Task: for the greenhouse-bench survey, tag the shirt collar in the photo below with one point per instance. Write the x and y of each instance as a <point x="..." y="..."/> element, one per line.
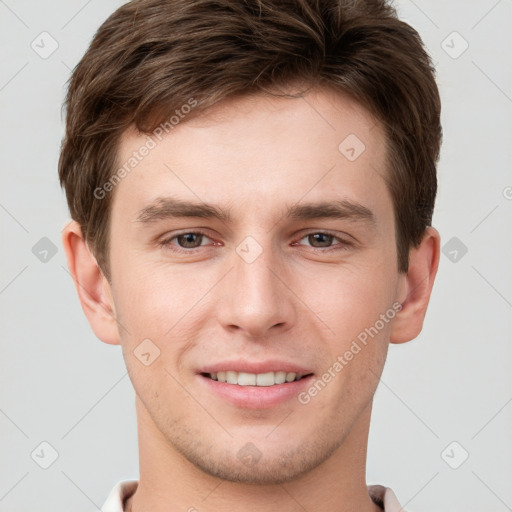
<point x="382" y="496"/>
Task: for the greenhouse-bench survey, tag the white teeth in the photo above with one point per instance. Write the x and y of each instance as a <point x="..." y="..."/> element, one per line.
<point x="246" y="379"/>
<point x="290" y="376"/>
<point x="265" y="379"/>
<point x="231" y="377"/>
<point x="280" y="377"/>
<point x="253" y="379"/>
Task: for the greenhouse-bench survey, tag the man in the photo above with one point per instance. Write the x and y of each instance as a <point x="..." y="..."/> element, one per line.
<point x="252" y="186"/>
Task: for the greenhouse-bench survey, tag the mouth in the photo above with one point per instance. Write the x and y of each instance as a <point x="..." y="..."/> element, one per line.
<point x="254" y="384"/>
<point x="267" y="379"/>
<point x="259" y="389"/>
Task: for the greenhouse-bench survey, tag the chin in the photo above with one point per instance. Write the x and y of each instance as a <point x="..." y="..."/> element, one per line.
<point x="268" y="464"/>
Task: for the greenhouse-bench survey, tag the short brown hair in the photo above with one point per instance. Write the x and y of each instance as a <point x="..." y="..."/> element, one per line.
<point x="152" y="56"/>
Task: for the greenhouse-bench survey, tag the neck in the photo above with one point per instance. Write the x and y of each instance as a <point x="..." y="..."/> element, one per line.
<point x="169" y="482"/>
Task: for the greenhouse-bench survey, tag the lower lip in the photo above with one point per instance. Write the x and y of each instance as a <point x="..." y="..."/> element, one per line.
<point x="256" y="397"/>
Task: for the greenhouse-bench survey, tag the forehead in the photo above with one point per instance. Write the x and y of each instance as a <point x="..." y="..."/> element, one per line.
<point x="255" y="153"/>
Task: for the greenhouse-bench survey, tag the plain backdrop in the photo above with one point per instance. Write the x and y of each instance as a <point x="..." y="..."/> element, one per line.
<point x="440" y="435"/>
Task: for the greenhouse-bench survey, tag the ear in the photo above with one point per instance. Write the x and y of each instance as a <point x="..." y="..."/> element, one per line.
<point x="91" y="285"/>
<point x="416" y="287"/>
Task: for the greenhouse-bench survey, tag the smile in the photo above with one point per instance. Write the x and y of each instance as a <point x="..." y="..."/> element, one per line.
<point x="255" y="379"/>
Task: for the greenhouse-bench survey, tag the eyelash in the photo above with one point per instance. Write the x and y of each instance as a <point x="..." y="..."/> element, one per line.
<point x="166" y="243"/>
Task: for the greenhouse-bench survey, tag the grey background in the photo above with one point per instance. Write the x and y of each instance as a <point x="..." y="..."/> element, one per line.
<point x="60" y="385"/>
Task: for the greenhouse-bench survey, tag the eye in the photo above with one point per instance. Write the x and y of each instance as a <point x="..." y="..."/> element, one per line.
<point x="190" y="240"/>
<point x="321" y="240"/>
<point x="183" y="241"/>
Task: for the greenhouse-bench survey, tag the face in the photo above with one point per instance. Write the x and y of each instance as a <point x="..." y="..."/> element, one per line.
<point x="256" y="244"/>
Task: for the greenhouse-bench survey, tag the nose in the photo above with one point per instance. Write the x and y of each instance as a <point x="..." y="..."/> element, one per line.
<point x="255" y="298"/>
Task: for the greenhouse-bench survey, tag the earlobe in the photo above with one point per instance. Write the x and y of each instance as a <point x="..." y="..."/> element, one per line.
<point x="91" y="285"/>
<point x="416" y="288"/>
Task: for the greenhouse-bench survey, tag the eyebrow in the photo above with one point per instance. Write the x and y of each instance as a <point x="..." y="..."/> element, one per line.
<point x="168" y="207"/>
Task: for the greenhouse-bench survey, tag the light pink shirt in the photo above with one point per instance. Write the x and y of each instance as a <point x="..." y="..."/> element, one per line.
<point x="381" y="495"/>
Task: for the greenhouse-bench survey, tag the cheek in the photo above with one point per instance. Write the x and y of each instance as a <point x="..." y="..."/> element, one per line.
<point x="160" y="312"/>
<point x="350" y="298"/>
<point x="363" y="323"/>
<point x="152" y="299"/>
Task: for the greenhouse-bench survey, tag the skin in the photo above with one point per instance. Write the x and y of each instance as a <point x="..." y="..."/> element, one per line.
<point x="296" y="302"/>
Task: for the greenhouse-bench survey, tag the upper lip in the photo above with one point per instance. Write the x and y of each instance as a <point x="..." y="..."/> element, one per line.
<point x="255" y="367"/>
